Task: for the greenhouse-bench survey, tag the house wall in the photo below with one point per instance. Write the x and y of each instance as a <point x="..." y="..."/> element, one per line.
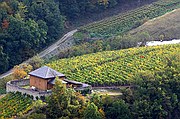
<point x="38" y="83"/>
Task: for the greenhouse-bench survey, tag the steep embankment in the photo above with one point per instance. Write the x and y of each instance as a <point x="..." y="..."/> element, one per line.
<point x="118" y="67"/>
<point x="166" y="26"/>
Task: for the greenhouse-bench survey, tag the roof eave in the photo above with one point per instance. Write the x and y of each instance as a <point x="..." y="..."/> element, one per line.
<point x="45" y="77"/>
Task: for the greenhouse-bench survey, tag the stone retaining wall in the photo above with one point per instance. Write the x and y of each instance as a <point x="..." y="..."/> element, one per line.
<point x="15" y="86"/>
<point x="22" y="82"/>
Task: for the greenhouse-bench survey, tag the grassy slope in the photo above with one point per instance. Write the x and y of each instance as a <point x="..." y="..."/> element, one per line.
<point x="117" y="67"/>
<point x="167" y="25"/>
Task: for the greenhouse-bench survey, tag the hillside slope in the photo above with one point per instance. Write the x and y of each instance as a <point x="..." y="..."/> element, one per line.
<point x="122" y="23"/>
<point x="118" y="67"/>
<point x="167" y="26"/>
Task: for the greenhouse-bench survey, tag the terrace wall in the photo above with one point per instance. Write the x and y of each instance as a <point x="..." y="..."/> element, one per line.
<point x="15" y="86"/>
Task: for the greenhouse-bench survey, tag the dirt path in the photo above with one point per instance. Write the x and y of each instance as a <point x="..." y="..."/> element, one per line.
<point x="110" y="87"/>
<point x="109" y="90"/>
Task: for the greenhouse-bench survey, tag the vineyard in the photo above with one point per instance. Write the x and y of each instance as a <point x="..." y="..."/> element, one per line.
<point x="116" y="67"/>
<point x="124" y="22"/>
<point x="14" y="104"/>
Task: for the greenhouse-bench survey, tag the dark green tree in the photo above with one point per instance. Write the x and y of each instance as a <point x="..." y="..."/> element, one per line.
<point x="3" y="61"/>
<point x="119" y="110"/>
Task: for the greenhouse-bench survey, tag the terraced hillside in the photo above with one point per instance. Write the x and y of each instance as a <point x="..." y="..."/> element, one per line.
<point x="124" y="22"/>
<point x="117" y="67"/>
<point x="164" y="27"/>
<point x="13" y="105"/>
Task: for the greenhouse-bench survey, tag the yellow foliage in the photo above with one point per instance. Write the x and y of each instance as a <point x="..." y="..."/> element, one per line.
<point x="19" y="73"/>
<point x="26" y="67"/>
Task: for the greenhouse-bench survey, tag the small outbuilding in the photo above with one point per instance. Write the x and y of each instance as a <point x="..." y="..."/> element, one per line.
<point x="44" y="78"/>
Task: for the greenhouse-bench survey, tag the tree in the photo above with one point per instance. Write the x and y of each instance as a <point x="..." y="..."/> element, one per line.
<point x="22" y="38"/>
<point x="119" y="110"/>
<point x="49" y="12"/>
<point x="4" y="62"/>
<point x="97" y="100"/>
<point x="36" y="62"/>
<point x="70" y="8"/>
<point x="161" y="37"/>
<point x="64" y="102"/>
<point x="92" y="112"/>
<point x="57" y="101"/>
<point x="157" y="94"/>
<point x="22" y="10"/>
<point x="19" y="73"/>
<point x="26" y="67"/>
<point x="144" y="37"/>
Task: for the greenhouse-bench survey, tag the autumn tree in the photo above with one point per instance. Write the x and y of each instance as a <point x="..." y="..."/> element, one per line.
<point x="26" y="67"/>
<point x="21" y="71"/>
